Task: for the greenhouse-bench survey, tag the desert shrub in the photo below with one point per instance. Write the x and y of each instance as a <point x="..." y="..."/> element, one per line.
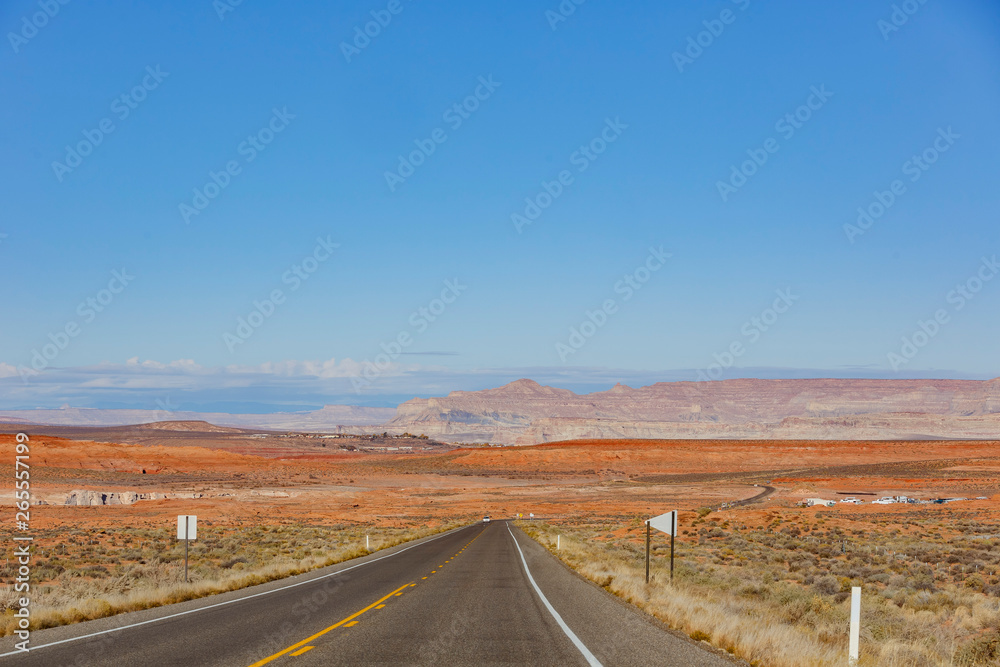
<point x="827" y="585"/>
<point x="984" y="650"/>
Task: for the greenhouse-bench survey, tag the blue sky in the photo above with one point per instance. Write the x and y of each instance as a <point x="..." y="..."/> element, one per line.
<point x="554" y="86"/>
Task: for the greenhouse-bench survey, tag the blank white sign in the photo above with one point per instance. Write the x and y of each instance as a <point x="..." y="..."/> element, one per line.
<point x="665" y="522"/>
<point x="187" y="527"/>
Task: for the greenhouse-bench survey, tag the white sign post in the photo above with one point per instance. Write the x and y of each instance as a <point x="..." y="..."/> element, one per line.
<point x="666" y="523"/>
<point x="852" y="649"/>
<point x="187" y="530"/>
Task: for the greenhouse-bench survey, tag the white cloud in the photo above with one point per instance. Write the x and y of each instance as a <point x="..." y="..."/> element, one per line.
<point x="180" y="364"/>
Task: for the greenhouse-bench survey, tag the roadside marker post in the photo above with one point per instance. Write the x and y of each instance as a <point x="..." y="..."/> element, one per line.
<point x="852" y="650"/>
<point x="187" y="530"/>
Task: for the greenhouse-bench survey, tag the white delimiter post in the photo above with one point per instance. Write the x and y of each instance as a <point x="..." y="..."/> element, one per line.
<point x="558" y="542"/>
<point x="852" y="650"/>
<point x="368" y="546"/>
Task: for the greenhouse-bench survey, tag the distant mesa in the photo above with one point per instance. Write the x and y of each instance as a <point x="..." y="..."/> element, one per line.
<point x="327" y="418"/>
<point x="199" y="426"/>
<point x="525" y="412"/>
<point x="14" y="420"/>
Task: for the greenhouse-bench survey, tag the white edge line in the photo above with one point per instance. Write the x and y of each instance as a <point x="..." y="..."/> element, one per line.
<point x="588" y="656"/>
<point x="239" y="599"/>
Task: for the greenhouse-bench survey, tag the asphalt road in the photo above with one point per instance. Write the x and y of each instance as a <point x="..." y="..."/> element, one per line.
<point x="480" y="595"/>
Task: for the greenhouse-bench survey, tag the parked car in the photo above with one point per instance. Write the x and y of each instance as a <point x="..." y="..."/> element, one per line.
<point x="885" y="500"/>
<point x="852" y="500"/>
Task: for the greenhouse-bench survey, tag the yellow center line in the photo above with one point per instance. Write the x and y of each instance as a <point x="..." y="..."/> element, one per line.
<point x="303" y="650"/>
<point x="332" y="627"/>
<point x="352" y="623"/>
<point x="456" y="555"/>
<point x="381" y="606"/>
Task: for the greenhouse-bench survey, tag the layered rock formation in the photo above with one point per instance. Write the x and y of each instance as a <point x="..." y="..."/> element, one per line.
<point x="90" y="498"/>
<point x="524" y="412"/>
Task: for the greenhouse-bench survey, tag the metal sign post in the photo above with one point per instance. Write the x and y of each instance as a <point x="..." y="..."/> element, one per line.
<point x="187" y="530"/>
<point x="672" y="533"/>
<point x="666" y="523"/>
<point x="647" y="552"/>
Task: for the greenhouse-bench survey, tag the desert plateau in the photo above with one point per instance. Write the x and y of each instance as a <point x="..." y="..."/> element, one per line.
<point x="103" y="513"/>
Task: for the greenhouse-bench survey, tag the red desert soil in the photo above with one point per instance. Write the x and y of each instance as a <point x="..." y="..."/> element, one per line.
<point x="694" y="456"/>
<point x="575" y="478"/>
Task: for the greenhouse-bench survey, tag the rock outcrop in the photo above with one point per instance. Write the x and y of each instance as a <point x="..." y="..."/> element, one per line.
<point x="93" y="498"/>
<point x="101" y="498"/>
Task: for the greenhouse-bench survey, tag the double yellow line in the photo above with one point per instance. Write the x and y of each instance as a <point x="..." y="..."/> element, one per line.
<point x="347" y="621"/>
<point x="332" y="627"/>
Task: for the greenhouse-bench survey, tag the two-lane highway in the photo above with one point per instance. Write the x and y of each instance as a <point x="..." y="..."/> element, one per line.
<point x="481" y="595"/>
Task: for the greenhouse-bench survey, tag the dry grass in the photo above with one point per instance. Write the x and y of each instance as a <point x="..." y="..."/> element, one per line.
<point x="83" y="577"/>
<point x="780" y="601"/>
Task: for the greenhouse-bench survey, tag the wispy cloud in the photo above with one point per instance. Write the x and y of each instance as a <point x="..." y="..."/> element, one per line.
<point x="431" y="354"/>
